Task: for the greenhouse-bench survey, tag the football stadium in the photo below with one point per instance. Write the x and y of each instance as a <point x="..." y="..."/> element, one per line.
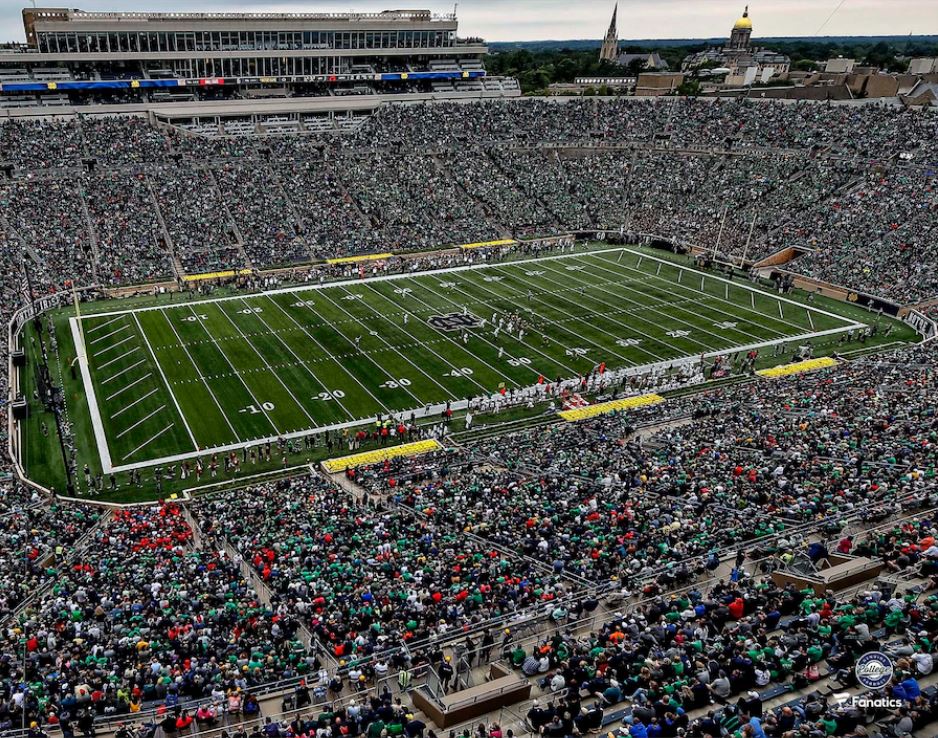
<point x="354" y="391"/>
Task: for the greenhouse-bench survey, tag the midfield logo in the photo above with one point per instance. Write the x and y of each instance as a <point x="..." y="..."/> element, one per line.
<point x="455" y="321"/>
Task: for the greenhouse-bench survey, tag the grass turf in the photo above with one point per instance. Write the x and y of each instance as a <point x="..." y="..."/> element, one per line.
<point x="175" y="380"/>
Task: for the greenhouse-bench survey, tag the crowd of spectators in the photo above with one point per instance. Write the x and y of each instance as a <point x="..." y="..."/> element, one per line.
<point x="726" y="468"/>
<point x="124" y="220"/>
<point x="142" y="616"/>
<point x="879" y="237"/>
<point x="197" y="218"/>
<point x="35" y="539"/>
<point x="109" y="616"/>
<point x="848" y="186"/>
<point x="705" y="662"/>
<point x="366" y="579"/>
<point x="879" y="132"/>
<point x="46" y="220"/>
<point x="144" y="613"/>
<point x="263" y="215"/>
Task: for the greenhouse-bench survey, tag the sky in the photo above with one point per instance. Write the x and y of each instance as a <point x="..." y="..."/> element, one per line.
<point x="527" y="20"/>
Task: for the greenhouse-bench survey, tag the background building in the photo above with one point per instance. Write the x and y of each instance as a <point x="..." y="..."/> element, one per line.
<point x="923" y="66"/>
<point x="72" y="57"/>
<point x="746" y="62"/>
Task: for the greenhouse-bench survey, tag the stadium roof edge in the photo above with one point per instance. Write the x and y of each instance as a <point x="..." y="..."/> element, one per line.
<point x="76" y="14"/>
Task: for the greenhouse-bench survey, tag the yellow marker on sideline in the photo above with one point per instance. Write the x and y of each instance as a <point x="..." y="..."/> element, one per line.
<point x="362" y="257"/>
<point x="215" y="275"/>
<point x="799" y="367"/>
<point x="602" y="408"/>
<point x="483" y="244"/>
<point x="380" y="454"/>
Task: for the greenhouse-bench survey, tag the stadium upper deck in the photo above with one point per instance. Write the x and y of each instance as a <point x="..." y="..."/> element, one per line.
<point x="77" y="57"/>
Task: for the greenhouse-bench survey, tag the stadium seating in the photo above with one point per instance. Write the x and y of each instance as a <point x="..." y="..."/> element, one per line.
<point x="411" y="177"/>
<point x="622" y="563"/>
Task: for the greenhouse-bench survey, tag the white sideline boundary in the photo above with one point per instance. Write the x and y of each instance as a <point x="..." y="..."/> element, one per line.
<point x="450" y="270"/>
<point x="436" y="408"/>
<point x="97" y="426"/>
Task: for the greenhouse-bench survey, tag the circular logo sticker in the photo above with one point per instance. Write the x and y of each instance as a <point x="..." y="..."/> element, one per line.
<point x="874" y="670"/>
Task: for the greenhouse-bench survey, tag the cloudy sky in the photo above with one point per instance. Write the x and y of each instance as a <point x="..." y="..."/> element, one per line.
<point x="520" y="20"/>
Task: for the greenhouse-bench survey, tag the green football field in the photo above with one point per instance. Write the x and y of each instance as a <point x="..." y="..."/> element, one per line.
<point x="175" y="381"/>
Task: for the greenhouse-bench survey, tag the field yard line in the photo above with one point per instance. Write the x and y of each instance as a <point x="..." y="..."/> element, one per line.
<point x="435" y="410"/>
<point x="99" y="326"/>
<point x="132" y="384"/>
<point x="135" y="402"/>
<point x="97" y="426"/>
<point x="687" y="324"/>
<point x="159" y="368"/>
<point x="379" y="278"/>
<point x="327" y="352"/>
<point x="702" y="296"/>
<point x="489" y="306"/>
<point x="605" y="316"/>
<point x="148" y="441"/>
<point x="403" y="329"/>
<point x="140" y="422"/>
<point x="302" y="362"/>
<point x="486" y="340"/>
<point x="123" y="371"/>
<point x="112" y="346"/>
<point x="631" y="328"/>
<point x="731" y="317"/>
<point x="257" y="403"/>
<point x="201" y="376"/>
<point x="106" y="364"/>
<point x="580" y="339"/>
<point x="365" y="354"/>
<point x="463" y="349"/>
<point x="269" y="367"/>
<point x="742" y="285"/>
<point x="108" y="335"/>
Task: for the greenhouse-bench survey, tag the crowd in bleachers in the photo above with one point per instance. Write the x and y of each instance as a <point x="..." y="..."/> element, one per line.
<point x="140" y="611"/>
<point x="850" y="186"/>
<point x="705" y="663"/>
<point x="150" y="612"/>
<point x="142" y="616"/>
<point x="124" y="219"/>
<point x="35" y="538"/>
<point x="879" y="132"/>
<point x="365" y="580"/>
<point x="879" y="238"/>
<point x="45" y="218"/>
<point x="262" y="214"/>
<point x="756" y="461"/>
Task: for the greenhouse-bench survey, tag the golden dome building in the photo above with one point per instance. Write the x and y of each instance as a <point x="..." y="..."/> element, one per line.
<point x="741" y="57"/>
<point x="741" y="36"/>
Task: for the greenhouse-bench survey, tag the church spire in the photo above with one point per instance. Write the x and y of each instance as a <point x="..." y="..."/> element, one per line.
<point x="610" y="47"/>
